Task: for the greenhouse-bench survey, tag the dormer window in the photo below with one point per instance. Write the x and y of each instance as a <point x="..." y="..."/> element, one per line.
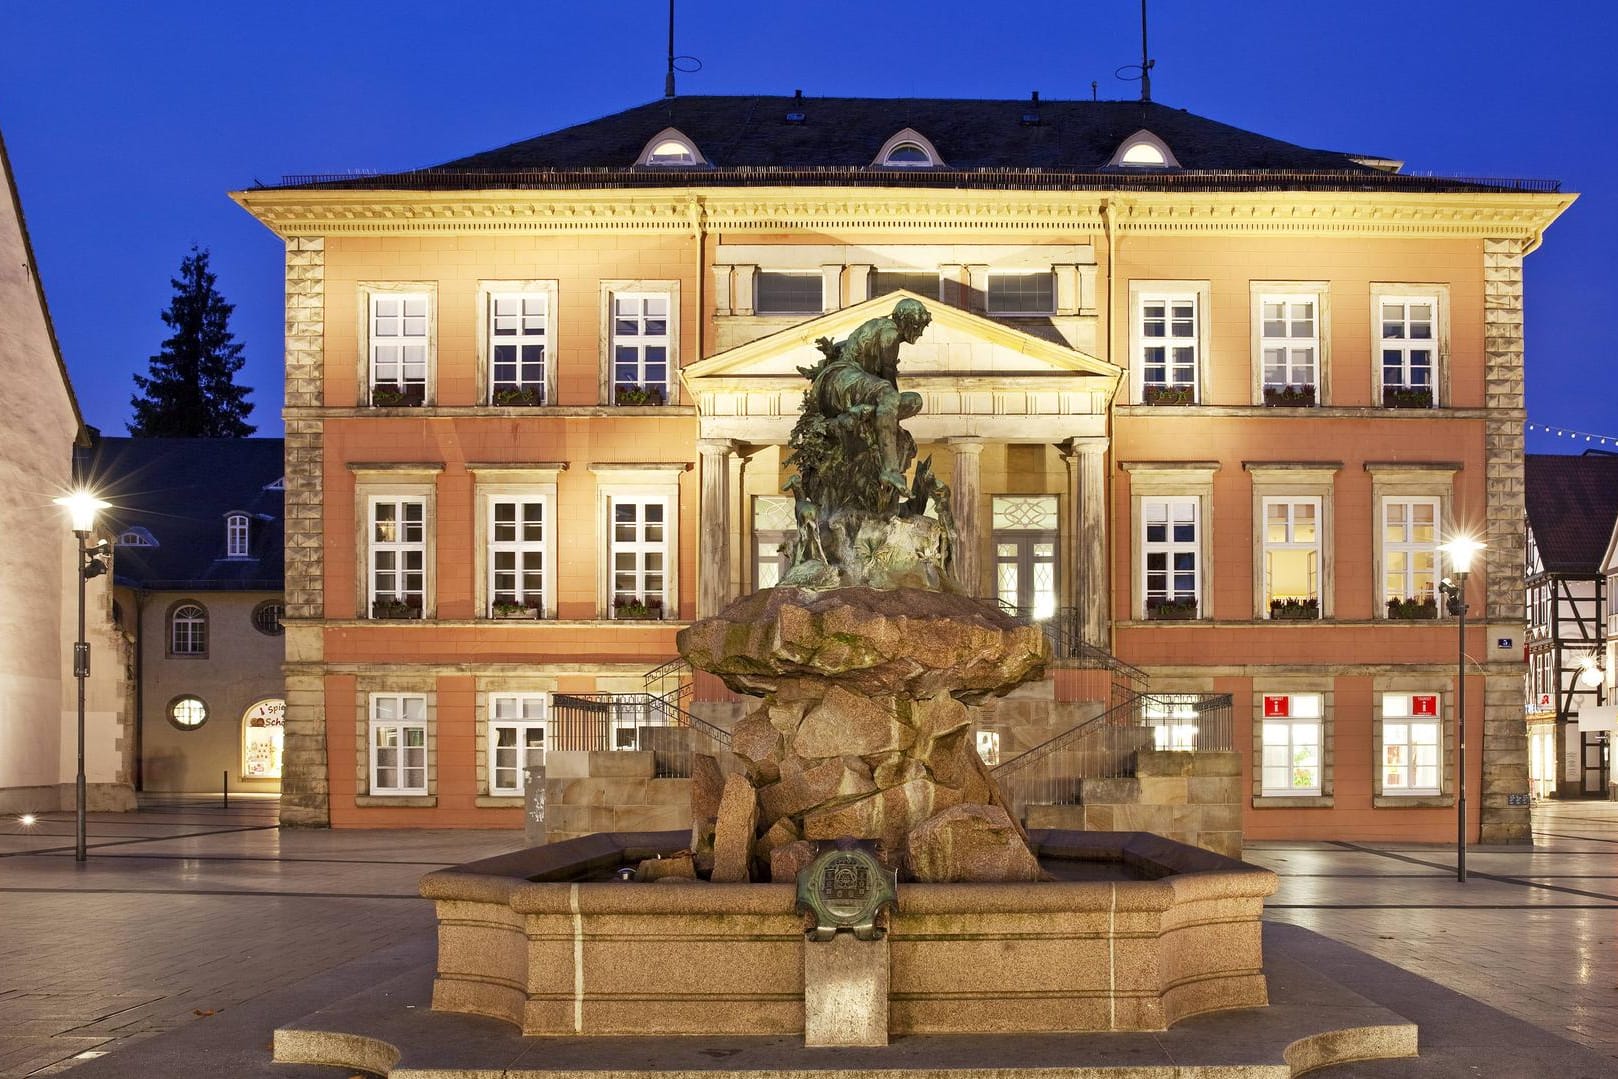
<point x="236" y="535"/>
<point x="909" y="149"/>
<point x="1143" y="150"/>
<point x="136" y="536"/>
<point x="279" y="485"/>
<point x="670" y="148"/>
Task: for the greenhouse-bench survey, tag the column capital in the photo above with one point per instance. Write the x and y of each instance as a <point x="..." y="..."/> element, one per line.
<point x="718" y="447"/>
<point x="964" y="443"/>
<point x="1084" y="445"/>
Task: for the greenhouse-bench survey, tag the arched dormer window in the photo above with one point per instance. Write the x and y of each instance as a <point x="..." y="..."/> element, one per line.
<point x="236" y="533"/>
<point x="670" y="148"/>
<point x="188" y="630"/>
<point x="1143" y="150"/>
<point x="909" y="149"/>
<point x="136" y="536"/>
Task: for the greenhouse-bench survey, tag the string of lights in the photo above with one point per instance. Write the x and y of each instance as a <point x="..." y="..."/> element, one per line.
<point x="1575" y="436"/>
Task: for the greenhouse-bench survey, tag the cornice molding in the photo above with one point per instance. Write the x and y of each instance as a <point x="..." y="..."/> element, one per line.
<point x="1457" y="215"/>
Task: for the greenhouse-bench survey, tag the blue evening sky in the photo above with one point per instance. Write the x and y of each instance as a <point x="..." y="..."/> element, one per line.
<point x="127" y="123"/>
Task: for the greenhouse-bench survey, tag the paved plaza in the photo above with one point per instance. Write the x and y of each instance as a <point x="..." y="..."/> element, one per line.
<point x="190" y="914"/>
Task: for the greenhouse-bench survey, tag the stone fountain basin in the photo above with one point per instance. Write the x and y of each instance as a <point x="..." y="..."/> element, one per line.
<point x="522" y="937"/>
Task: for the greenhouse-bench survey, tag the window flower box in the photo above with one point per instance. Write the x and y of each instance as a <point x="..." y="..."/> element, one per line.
<point x="639" y="395"/>
<point x="1294" y="610"/>
<point x="507" y="609"/>
<point x="1169" y="395"/>
<point x="389" y="607"/>
<point x="1171" y="610"/>
<point x="408" y="395"/>
<point x="518" y="396"/>
<point x="1412" y="609"/>
<point x="630" y="609"/>
<point x="1407" y="397"/>
<point x="1289" y="396"/>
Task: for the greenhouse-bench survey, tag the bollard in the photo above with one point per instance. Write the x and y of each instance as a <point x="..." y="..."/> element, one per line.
<point x="226" y="787"/>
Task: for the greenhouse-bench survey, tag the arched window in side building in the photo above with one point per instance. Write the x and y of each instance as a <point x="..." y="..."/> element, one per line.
<point x="188" y="630"/>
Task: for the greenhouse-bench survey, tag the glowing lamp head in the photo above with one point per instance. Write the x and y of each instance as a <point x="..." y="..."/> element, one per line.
<point x="1461" y="551"/>
<point x="27" y="820"/>
<point x="82" y="507"/>
<point x="1590" y="674"/>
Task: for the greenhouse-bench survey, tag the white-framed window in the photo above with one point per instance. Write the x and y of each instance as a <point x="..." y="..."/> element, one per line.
<point x="399" y="336"/>
<point x="236" y="535"/>
<point x="671" y="148"/>
<point x="1409" y="336"/>
<point x="518" y="544"/>
<point x="1412" y="741"/>
<point x="1168" y="346"/>
<point x="398" y="743"/>
<point x="137" y="536"/>
<point x="1292" y="749"/>
<point x="640" y="348"/>
<point x="639" y="549"/>
<point x="1026" y="530"/>
<point x="1021" y="293"/>
<point x="1143" y="150"/>
<point x="397" y="553"/>
<point x="908" y="149"/>
<point x="774" y="525"/>
<point x="1409" y="555"/>
<point x="1172" y="719"/>
<point x="924" y="283"/>
<point x="188" y="630"/>
<point x="516" y="738"/>
<point x="1292" y="530"/>
<point x="788" y="292"/>
<point x="518" y="343"/>
<point x="1171" y="562"/>
<point x="1289" y="348"/>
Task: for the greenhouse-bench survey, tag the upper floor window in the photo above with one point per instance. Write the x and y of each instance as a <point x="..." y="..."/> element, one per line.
<point x="398" y="347"/>
<point x="136" y="536"/>
<point x="1410" y="557"/>
<point x="1021" y="293"/>
<point x="518" y="327"/>
<point x="1171" y="550"/>
<point x="1289" y="349"/>
<point x="781" y="292"/>
<point x="1409" y="333"/>
<point x="236" y="532"/>
<point x="639" y="553"/>
<point x="517" y="547"/>
<point x="1168" y="347"/>
<point x="398" y="557"/>
<point x="267" y="616"/>
<point x="1143" y="150"/>
<point x="640" y="348"/>
<point x="1292" y="558"/>
<point x="188" y="630"/>
<point x="924" y="283"/>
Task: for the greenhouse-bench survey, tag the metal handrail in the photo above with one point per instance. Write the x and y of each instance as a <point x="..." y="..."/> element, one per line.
<point x="676" y="668"/>
<point x="1063" y="630"/>
<point x="1133" y="707"/>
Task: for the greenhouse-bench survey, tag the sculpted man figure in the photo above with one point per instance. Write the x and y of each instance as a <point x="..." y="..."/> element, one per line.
<point x="862" y="373"/>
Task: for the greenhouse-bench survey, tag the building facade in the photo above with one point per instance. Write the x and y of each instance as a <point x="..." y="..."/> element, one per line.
<point x="198" y="554"/>
<point x="1212" y="399"/>
<point x="39" y="426"/>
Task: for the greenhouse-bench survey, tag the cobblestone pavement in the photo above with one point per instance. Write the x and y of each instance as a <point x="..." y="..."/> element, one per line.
<point x="1533" y="932"/>
<point x="184" y="911"/>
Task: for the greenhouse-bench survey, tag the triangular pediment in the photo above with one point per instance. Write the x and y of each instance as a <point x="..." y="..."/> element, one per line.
<point x="957" y="344"/>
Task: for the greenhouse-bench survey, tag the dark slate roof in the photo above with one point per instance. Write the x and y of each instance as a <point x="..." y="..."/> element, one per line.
<point x="1572" y="506"/>
<point x="180" y="490"/>
<point x="748" y="140"/>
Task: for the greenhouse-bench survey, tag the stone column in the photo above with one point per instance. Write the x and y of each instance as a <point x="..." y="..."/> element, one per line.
<point x="966" y="496"/>
<point x="1084" y="546"/>
<point x="713" y="526"/>
<point x="1505" y="734"/>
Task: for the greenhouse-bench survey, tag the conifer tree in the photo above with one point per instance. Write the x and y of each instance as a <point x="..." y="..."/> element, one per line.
<point x="189" y="390"/>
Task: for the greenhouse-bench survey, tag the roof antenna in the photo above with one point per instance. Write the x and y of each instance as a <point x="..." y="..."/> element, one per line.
<point x="1146" y="62"/>
<point x="668" y="79"/>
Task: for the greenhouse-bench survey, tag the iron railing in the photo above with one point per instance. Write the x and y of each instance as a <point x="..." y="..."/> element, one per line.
<point x="677" y="669"/>
<point x="598" y="722"/>
<point x="1064" y="628"/>
<point x="1054" y="772"/>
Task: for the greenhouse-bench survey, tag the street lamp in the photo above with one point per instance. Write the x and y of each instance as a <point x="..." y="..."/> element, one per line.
<point x="1460" y="551"/>
<point x="82" y="507"/>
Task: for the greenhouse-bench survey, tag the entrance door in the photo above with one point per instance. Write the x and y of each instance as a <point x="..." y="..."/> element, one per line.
<point x="1594" y="752"/>
<point x="1025" y="538"/>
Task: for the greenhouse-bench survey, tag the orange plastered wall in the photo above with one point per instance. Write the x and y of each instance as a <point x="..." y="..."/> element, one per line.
<point x="457" y="263"/>
<point x="1348" y="265"/>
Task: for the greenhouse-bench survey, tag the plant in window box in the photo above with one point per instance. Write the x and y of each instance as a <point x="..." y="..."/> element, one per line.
<point x="625" y="608"/>
<point x="506" y="608"/>
<point x="394" y="395"/>
<point x="1289" y="396"/>
<point x="639" y="395"/>
<point x="1169" y="395"/>
<point x="518" y="396"/>
<point x="1171" y="610"/>
<point x="393" y="607"/>
<point x="1407" y="397"/>
<point x="1412" y="608"/>
<point x="1294" y="610"/>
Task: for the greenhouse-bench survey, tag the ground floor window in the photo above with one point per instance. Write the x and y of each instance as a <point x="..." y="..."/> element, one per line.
<point x="1542" y="760"/>
<point x="262" y="732"/>
<point x="1411" y="741"/>
<point x="516" y="739"/>
<point x="1292" y="745"/>
<point x="1173" y="721"/>
<point x="398" y="742"/>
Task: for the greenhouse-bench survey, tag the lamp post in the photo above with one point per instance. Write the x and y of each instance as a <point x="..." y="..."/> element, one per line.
<point x="82" y="507"/>
<point x="1460" y="551"/>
